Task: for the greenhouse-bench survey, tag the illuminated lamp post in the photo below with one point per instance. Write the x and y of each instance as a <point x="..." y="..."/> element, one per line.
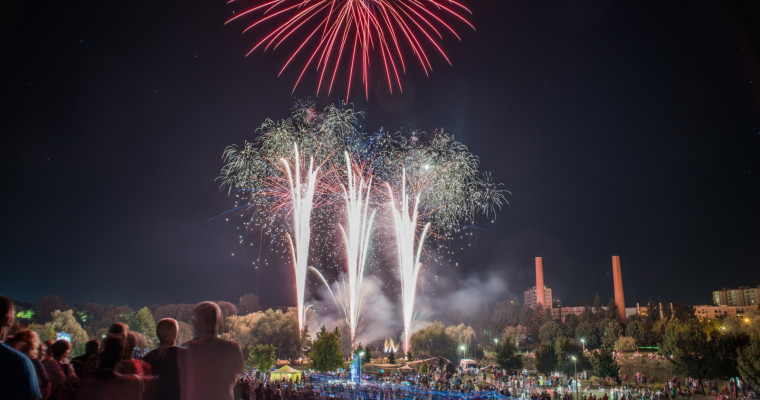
<point x="575" y="368"/>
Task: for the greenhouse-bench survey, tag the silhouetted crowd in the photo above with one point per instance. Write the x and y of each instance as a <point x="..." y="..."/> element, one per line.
<point x="205" y="368"/>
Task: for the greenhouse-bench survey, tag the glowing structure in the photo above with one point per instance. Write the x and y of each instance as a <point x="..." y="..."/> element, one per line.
<point x="617" y="277"/>
<point x="351" y="30"/>
<point x="389" y="346"/>
<point x="409" y="265"/>
<point x="540" y="300"/>
<point x="356" y="235"/>
<point x="302" y="198"/>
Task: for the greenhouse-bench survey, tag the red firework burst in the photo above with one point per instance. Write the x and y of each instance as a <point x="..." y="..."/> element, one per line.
<point x="351" y="31"/>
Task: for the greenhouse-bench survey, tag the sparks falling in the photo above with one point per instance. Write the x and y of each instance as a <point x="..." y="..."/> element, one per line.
<point x="332" y="33"/>
<point x="434" y="183"/>
<point x="302" y="198"/>
<point x="409" y="265"/>
<point x="356" y="235"/>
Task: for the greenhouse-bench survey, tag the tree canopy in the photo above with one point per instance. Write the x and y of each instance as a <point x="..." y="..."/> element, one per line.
<point x="325" y="351"/>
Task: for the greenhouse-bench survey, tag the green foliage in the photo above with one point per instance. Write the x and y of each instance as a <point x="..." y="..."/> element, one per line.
<point x="505" y="314"/>
<point x="530" y="319"/>
<point x="626" y="344"/>
<point x="679" y="311"/>
<point x="433" y="341"/>
<point x="546" y="358"/>
<point x="45" y="307"/>
<point x="179" y="312"/>
<point x="549" y="331"/>
<point x="44" y="332"/>
<point x="688" y="349"/>
<point x="612" y="311"/>
<point x="280" y="330"/>
<point x="749" y="361"/>
<point x="424" y="368"/>
<point x="325" y="351"/>
<point x="605" y="363"/>
<point x="590" y="333"/>
<point x="653" y="311"/>
<point x="703" y="350"/>
<point x="64" y="321"/>
<point x="261" y="357"/>
<point x="237" y="328"/>
<point x="462" y="334"/>
<point x="507" y="357"/>
<point x="612" y="331"/>
<point x="641" y="331"/>
<point x="726" y="345"/>
<point x="565" y="350"/>
<point x="364" y="353"/>
<point x="144" y="323"/>
<point x="392" y="357"/>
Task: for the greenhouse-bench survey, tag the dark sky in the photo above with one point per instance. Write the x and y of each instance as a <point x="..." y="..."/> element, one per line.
<point x="620" y="127"/>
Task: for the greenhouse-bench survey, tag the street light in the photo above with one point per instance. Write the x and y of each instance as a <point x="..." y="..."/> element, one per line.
<point x="583" y="343"/>
<point x="575" y="368"/>
<point x="361" y="359"/>
<point x="464" y="350"/>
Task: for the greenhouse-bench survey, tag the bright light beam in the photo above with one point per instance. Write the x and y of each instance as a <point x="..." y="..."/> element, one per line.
<point x="409" y="264"/>
<point x="356" y="235"/>
<point x="302" y="197"/>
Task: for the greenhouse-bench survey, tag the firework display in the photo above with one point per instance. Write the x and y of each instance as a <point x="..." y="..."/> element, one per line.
<point x="344" y="35"/>
<point x="356" y="236"/>
<point x="422" y="185"/>
<point x="302" y="199"/>
<point x="409" y="265"/>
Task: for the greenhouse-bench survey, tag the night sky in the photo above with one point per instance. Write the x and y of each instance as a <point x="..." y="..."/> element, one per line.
<point x="620" y="127"/>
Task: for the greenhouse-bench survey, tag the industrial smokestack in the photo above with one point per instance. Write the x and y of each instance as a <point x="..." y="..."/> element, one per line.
<point x="540" y="282"/>
<point x="617" y="277"/>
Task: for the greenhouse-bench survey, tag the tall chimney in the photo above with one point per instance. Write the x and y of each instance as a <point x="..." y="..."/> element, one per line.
<point x="540" y="282"/>
<point x="617" y="277"/>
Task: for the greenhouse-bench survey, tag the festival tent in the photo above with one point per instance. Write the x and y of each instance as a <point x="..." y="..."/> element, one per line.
<point x="406" y="368"/>
<point x="286" y="372"/>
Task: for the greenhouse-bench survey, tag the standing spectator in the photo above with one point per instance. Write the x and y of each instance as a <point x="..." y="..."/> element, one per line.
<point x="210" y="366"/>
<point x="18" y="380"/>
<point x="258" y="393"/>
<point x="81" y="363"/>
<point x="63" y="380"/>
<point x="268" y="392"/>
<point x="163" y="360"/>
<point x="132" y="365"/>
<point x="105" y="382"/>
<point x="28" y="343"/>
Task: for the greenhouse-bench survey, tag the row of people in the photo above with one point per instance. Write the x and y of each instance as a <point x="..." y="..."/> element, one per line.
<point x="205" y="368"/>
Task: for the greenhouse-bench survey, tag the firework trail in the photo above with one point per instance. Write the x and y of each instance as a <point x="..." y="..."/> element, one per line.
<point x="351" y="31"/>
<point x="302" y="198"/>
<point x="356" y="235"/>
<point x="405" y="229"/>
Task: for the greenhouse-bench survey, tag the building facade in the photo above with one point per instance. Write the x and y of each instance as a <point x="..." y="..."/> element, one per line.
<point x="531" y="297"/>
<point x="742" y="296"/>
<point x="715" y="312"/>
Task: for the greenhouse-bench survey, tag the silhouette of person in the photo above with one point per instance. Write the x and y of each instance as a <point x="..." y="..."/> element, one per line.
<point x="18" y="379"/>
<point x="105" y="383"/>
<point x="210" y="366"/>
<point x="163" y="360"/>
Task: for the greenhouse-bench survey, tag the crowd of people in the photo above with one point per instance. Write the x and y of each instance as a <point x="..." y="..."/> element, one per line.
<point x="209" y="368"/>
<point x="203" y="369"/>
